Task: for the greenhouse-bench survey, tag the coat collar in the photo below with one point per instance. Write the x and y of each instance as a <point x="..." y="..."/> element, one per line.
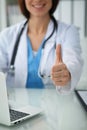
<point x="50" y="30"/>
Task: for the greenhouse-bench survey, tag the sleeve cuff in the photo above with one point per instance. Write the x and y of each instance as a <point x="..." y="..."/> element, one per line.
<point x="64" y="89"/>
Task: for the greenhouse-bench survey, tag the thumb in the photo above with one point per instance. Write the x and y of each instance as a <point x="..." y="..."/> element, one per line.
<point x="58" y="54"/>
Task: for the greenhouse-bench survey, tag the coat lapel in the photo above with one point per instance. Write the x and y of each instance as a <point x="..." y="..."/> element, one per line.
<point x="21" y="61"/>
<point x="49" y="45"/>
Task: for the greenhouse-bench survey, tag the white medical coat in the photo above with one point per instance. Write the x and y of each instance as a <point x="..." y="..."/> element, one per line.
<point x="66" y="35"/>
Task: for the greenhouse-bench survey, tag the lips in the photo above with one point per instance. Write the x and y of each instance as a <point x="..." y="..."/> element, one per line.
<point x="38" y="6"/>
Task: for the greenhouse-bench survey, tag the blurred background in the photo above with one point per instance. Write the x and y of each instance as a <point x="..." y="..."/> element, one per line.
<point x="68" y="11"/>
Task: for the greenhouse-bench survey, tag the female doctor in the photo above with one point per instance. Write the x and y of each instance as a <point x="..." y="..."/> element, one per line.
<point x="40" y="51"/>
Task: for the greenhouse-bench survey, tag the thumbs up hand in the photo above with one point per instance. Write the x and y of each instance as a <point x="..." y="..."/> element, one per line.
<point x="60" y="74"/>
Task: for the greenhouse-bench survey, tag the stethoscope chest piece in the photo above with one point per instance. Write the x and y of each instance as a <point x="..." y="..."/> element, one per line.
<point x="11" y="70"/>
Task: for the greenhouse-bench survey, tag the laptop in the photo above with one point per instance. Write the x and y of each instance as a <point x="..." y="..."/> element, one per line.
<point x="82" y="96"/>
<point x="13" y="116"/>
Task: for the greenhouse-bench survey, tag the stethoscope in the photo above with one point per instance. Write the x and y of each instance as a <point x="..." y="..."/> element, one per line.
<point x="11" y="69"/>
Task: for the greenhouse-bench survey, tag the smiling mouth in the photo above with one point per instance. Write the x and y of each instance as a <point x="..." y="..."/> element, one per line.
<point x="39" y="6"/>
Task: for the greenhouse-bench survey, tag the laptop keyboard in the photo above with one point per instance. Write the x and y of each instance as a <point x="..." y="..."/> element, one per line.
<point x="15" y="115"/>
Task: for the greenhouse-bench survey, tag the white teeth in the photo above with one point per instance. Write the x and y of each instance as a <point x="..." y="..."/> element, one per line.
<point x="38" y="6"/>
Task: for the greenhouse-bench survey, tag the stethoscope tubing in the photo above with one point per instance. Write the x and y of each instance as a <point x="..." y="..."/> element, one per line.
<point x="11" y="69"/>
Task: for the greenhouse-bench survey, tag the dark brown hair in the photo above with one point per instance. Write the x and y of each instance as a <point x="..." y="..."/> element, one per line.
<point x="25" y="12"/>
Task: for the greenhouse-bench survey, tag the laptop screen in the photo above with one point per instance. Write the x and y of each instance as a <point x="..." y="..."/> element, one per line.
<point x="82" y="96"/>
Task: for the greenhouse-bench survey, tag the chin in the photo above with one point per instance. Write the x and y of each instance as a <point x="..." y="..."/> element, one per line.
<point x="40" y="15"/>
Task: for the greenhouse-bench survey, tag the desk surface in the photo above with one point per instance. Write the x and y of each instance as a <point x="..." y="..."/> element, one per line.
<point x="61" y="112"/>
